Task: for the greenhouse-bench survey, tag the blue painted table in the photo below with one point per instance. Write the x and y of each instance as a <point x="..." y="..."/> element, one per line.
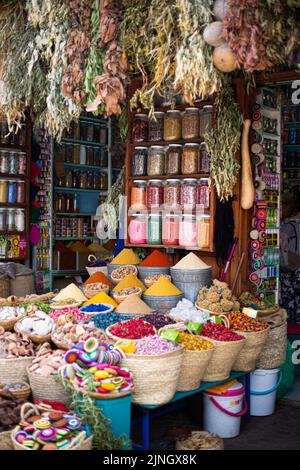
<point x="152" y="411"/>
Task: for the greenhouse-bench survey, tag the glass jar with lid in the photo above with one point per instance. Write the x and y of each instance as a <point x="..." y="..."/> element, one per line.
<point x="20" y="199"/>
<point x="205" y="119"/>
<point x="156" y="127"/>
<point x="172" y="125"/>
<point x="170" y="229"/>
<point x="172" y="190"/>
<point x="156" y="161"/>
<point x="190" y="159"/>
<point x="154" y="229"/>
<point x="138" y="195"/>
<point x="140" y="128"/>
<point x="12" y="192"/>
<point x="137" y="229"/>
<point x="76" y="154"/>
<point x="69" y="179"/>
<point x="139" y="161"/>
<point x="190" y="123"/>
<point x="12" y="163"/>
<point x="4" y="161"/>
<point x="22" y="165"/>
<point x="173" y="159"/>
<point x="203" y="231"/>
<point x="103" y="181"/>
<point x="188" y="231"/>
<point x="20" y="220"/>
<point x="204" y="164"/>
<point x="188" y="196"/>
<point x="83" y="180"/>
<point x="3" y="191"/>
<point x="154" y="194"/>
<point x="3" y="226"/>
<point x="203" y="198"/>
<point x="11" y="220"/>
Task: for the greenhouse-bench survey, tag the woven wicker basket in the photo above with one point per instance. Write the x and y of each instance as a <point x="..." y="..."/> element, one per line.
<point x="116" y="338"/>
<point x="22" y="285"/>
<point x="274" y="351"/>
<point x="82" y="442"/>
<point x="96" y="269"/>
<point x="4" y="288"/>
<point x="47" y="387"/>
<point x="114" y="275"/>
<point x="65" y="346"/>
<point x="21" y="393"/>
<point x="10" y="323"/>
<point x="89" y="293"/>
<point x="14" y="370"/>
<point x="149" y="282"/>
<point x="120" y="298"/>
<point x="34" y="338"/>
<point x="254" y="344"/>
<point x="223" y="358"/>
<point x="155" y="377"/>
<point x="5" y="441"/>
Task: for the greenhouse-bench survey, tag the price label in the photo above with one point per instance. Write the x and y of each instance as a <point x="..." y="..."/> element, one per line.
<point x="216" y="319"/>
<point x="171" y="335"/>
<point x="195" y="327"/>
<point x="250" y="312"/>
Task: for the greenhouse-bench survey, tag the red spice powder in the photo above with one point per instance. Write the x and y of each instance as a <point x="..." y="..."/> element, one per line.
<point x="156" y="259"/>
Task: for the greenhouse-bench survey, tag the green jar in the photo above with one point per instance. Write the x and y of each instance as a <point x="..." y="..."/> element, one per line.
<point x="154" y="229"/>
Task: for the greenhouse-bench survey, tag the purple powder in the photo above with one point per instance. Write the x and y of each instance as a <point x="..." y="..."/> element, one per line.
<point x="154" y="346"/>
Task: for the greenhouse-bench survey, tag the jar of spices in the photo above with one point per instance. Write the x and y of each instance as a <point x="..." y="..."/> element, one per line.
<point x="203" y="231"/>
<point x="139" y="161"/>
<point x="4" y="133"/>
<point x="204" y="164"/>
<point x="3" y="226"/>
<point x="170" y="229"/>
<point x="3" y="191"/>
<point x="76" y="154"/>
<point x="10" y="220"/>
<point x="154" y="229"/>
<point x="188" y="231"/>
<point x="89" y="131"/>
<point x="20" y="192"/>
<point x="156" y="127"/>
<point x="20" y="220"/>
<point x="69" y="153"/>
<point x="172" y="190"/>
<point x="154" y="194"/>
<point x="82" y="157"/>
<point x="69" y="179"/>
<point x="156" y="161"/>
<point x="173" y="159"/>
<point x="188" y="196"/>
<point x="172" y="125"/>
<point x="190" y="159"/>
<point x="205" y="119"/>
<point x="190" y="123"/>
<point x="90" y="156"/>
<point x="83" y="130"/>
<point x="137" y="229"/>
<point x="12" y="163"/>
<point x="103" y="183"/>
<point x="103" y="135"/>
<point x="140" y="128"/>
<point x="83" y="180"/>
<point x="61" y="203"/>
<point x="203" y="194"/>
<point x="138" y="195"/>
<point x="4" y="162"/>
<point x="69" y="206"/>
<point x="11" y="192"/>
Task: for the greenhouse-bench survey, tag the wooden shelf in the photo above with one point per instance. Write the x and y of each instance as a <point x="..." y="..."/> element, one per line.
<point x="86" y="167"/>
<point x="164" y="143"/>
<point x="81" y="190"/>
<point x="166" y="247"/>
<point x="11" y="147"/>
<point x="180" y="107"/>
<point x="75" y="214"/>
<point x="171" y="177"/>
<point x="69" y="239"/>
<point x="69" y="272"/>
<point x="12" y="177"/>
<point x="12" y="206"/>
<point x="87" y="143"/>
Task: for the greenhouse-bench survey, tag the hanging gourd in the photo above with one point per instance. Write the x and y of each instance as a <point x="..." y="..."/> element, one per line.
<point x="224" y="59"/>
<point x="212" y="34"/>
<point x="219" y="9"/>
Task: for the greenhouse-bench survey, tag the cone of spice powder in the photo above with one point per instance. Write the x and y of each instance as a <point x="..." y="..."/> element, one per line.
<point x="126" y="256"/>
<point x="162" y="287"/>
<point x="134" y="305"/>
<point x="101" y="298"/>
<point x="98" y="277"/>
<point x="156" y="259"/>
<point x="129" y="281"/>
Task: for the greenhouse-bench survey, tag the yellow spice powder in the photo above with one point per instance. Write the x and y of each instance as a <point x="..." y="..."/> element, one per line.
<point x="101" y="298"/>
<point x="129" y="281"/>
<point x="162" y="287"/>
<point x="126" y="256"/>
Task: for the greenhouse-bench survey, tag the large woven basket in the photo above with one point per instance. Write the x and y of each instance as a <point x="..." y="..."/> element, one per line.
<point x="117" y="338"/>
<point x="274" y="351"/>
<point x="223" y="358"/>
<point x="14" y="370"/>
<point x="120" y="298"/>
<point x="89" y="293"/>
<point x="254" y="344"/>
<point x="5" y="441"/>
<point x="22" y="286"/>
<point x="82" y="442"/>
<point x="96" y="269"/>
<point x="155" y="377"/>
<point x="193" y="367"/>
<point x="34" y="338"/>
<point x="22" y="393"/>
<point x="47" y="387"/>
<point x="4" y="288"/>
<point x="10" y="323"/>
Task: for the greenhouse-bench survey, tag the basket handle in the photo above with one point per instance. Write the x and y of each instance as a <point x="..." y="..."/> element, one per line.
<point x="92" y="258"/>
<point x="271" y="390"/>
<point x="28" y="409"/>
<point x="230" y="413"/>
<point x="43" y="347"/>
<point x="79" y="439"/>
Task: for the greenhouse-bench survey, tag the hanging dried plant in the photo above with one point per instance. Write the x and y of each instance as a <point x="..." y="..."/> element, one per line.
<point x="222" y="143"/>
<point x="195" y="75"/>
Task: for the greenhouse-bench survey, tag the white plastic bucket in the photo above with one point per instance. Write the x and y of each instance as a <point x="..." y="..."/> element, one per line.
<point x="263" y="388"/>
<point x="222" y="413"/>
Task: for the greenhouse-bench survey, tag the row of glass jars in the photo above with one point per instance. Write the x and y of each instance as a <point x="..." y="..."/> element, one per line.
<point x="169" y="229"/>
<point x="88" y="131"/>
<point x="172" y="160"/>
<point x="72" y="227"/>
<point x="83" y="155"/>
<point x="12" y="220"/>
<point x="173" y="194"/>
<point x="12" y="162"/>
<point x="83" y="180"/>
<point x="7" y="138"/>
<point x="172" y="125"/>
<point x="12" y="192"/>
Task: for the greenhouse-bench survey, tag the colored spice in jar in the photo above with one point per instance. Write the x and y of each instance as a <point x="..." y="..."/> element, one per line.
<point x="170" y="229"/>
<point x="190" y="123"/>
<point x="156" y="161"/>
<point x="194" y="343"/>
<point x="156" y="259"/>
<point x="173" y="159"/>
<point x="188" y="231"/>
<point x="139" y="161"/>
<point x="154" y="194"/>
<point x="172" y="125"/>
<point x="135" y="328"/>
<point x="126" y="256"/>
<point x="140" y="128"/>
<point x="154" y="346"/>
<point x="188" y="195"/>
<point x="219" y="332"/>
<point x="138" y="195"/>
<point x="162" y="287"/>
<point x="190" y="159"/>
<point x="172" y="191"/>
<point x="241" y="322"/>
<point x="156" y="127"/>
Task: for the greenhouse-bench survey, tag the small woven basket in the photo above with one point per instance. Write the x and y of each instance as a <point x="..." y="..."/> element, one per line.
<point x="21" y="393"/>
<point x="10" y="323"/>
<point x="150" y="282"/>
<point x="89" y="293"/>
<point x="96" y="269"/>
<point x="5" y="441"/>
<point x="120" y="298"/>
<point x="14" y="370"/>
<point x="82" y="442"/>
<point x="116" y="278"/>
<point x="34" y="338"/>
<point x="116" y="338"/>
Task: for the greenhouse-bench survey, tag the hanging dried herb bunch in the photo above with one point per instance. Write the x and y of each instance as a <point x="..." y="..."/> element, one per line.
<point x="222" y="143"/>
